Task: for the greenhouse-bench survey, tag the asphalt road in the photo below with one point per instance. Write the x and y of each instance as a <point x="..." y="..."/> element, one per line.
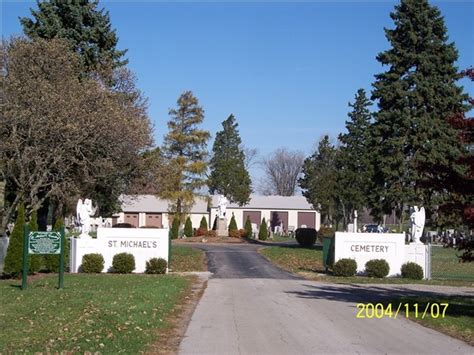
<point x="252" y="307"/>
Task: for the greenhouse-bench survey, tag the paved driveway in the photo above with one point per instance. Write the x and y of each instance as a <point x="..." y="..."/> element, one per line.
<point x="252" y="307"/>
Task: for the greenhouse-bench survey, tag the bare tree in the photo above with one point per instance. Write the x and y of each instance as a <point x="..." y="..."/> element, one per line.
<point x="281" y="171"/>
<point x="61" y="135"/>
<point x="251" y="156"/>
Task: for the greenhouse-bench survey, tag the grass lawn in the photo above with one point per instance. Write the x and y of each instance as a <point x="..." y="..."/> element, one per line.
<point x="446" y="270"/>
<point x="187" y="259"/>
<point x="446" y="265"/>
<point x="94" y="313"/>
<point x="458" y="320"/>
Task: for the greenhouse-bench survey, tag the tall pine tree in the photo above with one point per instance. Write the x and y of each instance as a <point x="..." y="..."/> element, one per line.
<point x="185" y="147"/>
<point x="86" y="27"/>
<point x="413" y="142"/>
<point x="319" y="181"/>
<point x="229" y="176"/>
<point x="354" y="158"/>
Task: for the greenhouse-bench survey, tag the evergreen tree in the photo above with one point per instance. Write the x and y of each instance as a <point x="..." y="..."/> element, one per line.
<point x="14" y="257"/>
<point x="35" y="260"/>
<point x="51" y="261"/>
<point x="413" y="142"/>
<point x="175" y="228"/>
<point x="263" y="231"/>
<point x="248" y="228"/>
<point x="229" y="177"/>
<point x="354" y="157"/>
<point x="203" y="224"/>
<point x="319" y="181"/>
<point x="188" y="228"/>
<point x="185" y="147"/>
<point x="232" y="224"/>
<point x="85" y="27"/>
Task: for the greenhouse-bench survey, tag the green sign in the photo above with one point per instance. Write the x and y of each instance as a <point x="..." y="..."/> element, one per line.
<point x="44" y="243"/>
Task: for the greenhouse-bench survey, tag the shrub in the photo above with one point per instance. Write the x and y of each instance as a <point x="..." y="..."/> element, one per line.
<point x="248" y="228"/>
<point x="263" y="231"/>
<point x="234" y="233"/>
<point x="92" y="263"/>
<point x="123" y="225"/>
<point x="123" y="263"/>
<point x="188" y="228"/>
<point x="242" y="233"/>
<point x="214" y="224"/>
<point x="156" y="266"/>
<point x="201" y="232"/>
<point x="175" y="228"/>
<point x="13" y="259"/>
<point x="325" y="232"/>
<point x="212" y="233"/>
<point x="345" y="267"/>
<point x="306" y="237"/>
<point x="203" y="224"/>
<point x="377" y="268"/>
<point x="233" y="224"/>
<point x="412" y="271"/>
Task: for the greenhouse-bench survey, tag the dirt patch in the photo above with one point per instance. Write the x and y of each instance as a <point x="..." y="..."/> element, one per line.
<point x="168" y="340"/>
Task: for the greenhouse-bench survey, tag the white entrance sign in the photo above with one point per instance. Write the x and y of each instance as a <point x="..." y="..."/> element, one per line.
<point x="144" y="244"/>
<point x="363" y="247"/>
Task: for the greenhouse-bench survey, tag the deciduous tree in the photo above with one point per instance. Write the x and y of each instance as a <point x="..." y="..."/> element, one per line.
<point x="281" y="171"/>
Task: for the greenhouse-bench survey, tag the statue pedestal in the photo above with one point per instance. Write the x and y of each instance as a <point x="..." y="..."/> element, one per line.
<point x="222" y="227"/>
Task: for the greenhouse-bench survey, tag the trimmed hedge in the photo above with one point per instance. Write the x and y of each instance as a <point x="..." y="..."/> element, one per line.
<point x="14" y="258"/>
<point x="345" y="267"/>
<point x="263" y="231"/>
<point x="92" y="263"/>
<point x="175" y="228"/>
<point x="188" y="228"/>
<point x="412" y="271"/>
<point x="156" y="266"/>
<point x="123" y="263"/>
<point x="233" y="224"/>
<point x="248" y="228"/>
<point x="203" y="224"/>
<point x="377" y="268"/>
<point x="306" y="237"/>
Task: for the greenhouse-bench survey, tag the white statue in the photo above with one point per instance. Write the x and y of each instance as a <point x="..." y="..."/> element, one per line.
<point x="417" y="218"/>
<point x="222" y="205"/>
<point x="84" y="212"/>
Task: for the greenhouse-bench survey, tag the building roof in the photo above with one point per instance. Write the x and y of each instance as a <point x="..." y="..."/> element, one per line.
<point x="151" y="203"/>
<point x="270" y="202"/>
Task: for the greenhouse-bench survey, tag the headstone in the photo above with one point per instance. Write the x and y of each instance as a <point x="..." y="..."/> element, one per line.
<point x="222" y="230"/>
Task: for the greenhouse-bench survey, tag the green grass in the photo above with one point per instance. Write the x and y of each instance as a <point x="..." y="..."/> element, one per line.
<point x="458" y="320"/>
<point x="94" y="313"/>
<point x="446" y="270"/>
<point x="187" y="259"/>
<point x="294" y="258"/>
<point x="280" y="238"/>
<point x="446" y="265"/>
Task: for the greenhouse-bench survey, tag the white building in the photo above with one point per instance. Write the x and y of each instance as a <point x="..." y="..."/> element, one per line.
<point x="290" y="212"/>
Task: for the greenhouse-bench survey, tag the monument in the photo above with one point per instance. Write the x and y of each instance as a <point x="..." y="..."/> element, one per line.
<point x="417" y="219"/>
<point x="221" y="217"/>
<point x="84" y="212"/>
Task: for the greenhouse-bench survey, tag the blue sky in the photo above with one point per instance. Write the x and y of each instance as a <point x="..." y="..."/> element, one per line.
<point x="285" y="70"/>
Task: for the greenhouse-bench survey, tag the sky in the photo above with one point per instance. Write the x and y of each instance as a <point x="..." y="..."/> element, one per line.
<point x="286" y="70"/>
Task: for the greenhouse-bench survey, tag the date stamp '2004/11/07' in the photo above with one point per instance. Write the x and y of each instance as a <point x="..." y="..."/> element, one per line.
<point x="414" y="310"/>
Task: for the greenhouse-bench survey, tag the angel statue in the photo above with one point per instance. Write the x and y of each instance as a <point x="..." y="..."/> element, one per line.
<point x="222" y="205"/>
<point x="84" y="212"/>
<point x="417" y="218"/>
